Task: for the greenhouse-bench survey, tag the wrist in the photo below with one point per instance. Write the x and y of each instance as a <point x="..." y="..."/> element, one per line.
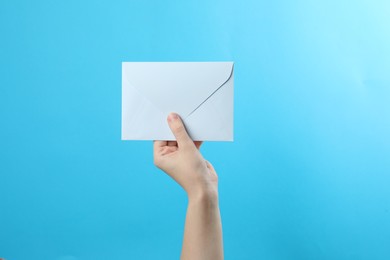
<point x="205" y="195"/>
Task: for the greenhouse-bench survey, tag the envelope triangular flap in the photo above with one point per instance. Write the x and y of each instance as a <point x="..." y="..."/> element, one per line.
<point x="177" y="86"/>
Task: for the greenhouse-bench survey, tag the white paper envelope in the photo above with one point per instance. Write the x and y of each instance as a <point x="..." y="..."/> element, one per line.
<point x="200" y="92"/>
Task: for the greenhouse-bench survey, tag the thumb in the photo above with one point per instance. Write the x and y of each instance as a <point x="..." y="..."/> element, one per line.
<point x="178" y="130"/>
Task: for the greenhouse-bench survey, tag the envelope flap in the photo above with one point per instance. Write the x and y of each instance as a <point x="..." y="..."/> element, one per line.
<point x="177" y="86"/>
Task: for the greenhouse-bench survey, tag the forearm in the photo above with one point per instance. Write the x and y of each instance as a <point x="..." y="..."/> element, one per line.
<point x="203" y="228"/>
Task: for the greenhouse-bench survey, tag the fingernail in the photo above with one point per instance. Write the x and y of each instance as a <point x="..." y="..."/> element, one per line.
<point x="172" y="116"/>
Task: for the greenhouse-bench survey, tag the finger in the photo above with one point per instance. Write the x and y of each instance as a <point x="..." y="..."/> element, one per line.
<point x="159" y="144"/>
<point x="198" y="144"/>
<point x="179" y="131"/>
<point x="172" y="143"/>
<point x="168" y="150"/>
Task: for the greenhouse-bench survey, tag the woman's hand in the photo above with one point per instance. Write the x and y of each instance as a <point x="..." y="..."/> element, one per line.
<point x="182" y="161"/>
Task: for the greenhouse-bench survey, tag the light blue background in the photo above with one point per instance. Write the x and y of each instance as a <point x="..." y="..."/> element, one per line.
<point x="307" y="176"/>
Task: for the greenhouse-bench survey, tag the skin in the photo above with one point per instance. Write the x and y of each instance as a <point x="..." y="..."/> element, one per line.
<point x="182" y="161"/>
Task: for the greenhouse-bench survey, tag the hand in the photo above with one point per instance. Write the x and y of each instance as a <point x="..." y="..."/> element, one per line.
<point x="182" y="161"/>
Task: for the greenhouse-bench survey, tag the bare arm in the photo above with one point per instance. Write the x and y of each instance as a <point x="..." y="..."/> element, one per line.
<point x="182" y="161"/>
<point x="203" y="230"/>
